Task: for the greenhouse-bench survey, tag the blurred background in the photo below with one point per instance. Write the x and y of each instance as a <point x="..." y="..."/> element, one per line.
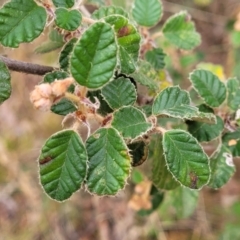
<point x="26" y="213"/>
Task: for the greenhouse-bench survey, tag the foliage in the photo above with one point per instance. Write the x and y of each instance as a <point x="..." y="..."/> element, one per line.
<point x="113" y="85"/>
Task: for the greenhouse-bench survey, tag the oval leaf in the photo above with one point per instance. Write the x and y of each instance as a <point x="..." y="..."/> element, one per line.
<point x="147" y="13"/>
<point x="55" y="75"/>
<point x="205" y="132"/>
<point x="130" y="122"/>
<point x="5" y="82"/>
<point x="120" y="92"/>
<point x="63" y="3"/>
<point x="186" y="159"/>
<point x="109" y="162"/>
<point x="128" y="40"/>
<point x="209" y="87"/>
<point x="161" y="177"/>
<point x="233" y="86"/>
<point x="107" y="11"/>
<point x="156" y="58"/>
<point x="65" y="54"/>
<point x="88" y="67"/>
<point x="63" y="107"/>
<point x="222" y="167"/>
<point x="174" y="102"/>
<point x="63" y="164"/>
<point x="180" y="31"/>
<point x="69" y="20"/>
<point x="25" y="22"/>
<point x="55" y="41"/>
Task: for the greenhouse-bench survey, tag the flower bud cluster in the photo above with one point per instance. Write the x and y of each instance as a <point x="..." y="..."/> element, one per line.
<point x="44" y="95"/>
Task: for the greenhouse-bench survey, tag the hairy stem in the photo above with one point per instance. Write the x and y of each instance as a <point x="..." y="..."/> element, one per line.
<point x="26" y="67"/>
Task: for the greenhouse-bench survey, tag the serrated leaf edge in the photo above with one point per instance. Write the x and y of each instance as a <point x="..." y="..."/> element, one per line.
<point x="131" y="140"/>
<point x="87" y="166"/>
<point x="188" y="15"/>
<point x="112" y="77"/>
<point x="130" y="169"/>
<point x="190" y="74"/>
<point x="122" y="105"/>
<point x="178" y="116"/>
<point x="210" y="171"/>
<point x="159" y="19"/>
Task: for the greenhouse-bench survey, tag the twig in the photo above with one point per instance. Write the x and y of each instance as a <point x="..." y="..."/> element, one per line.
<point x="85" y="12"/>
<point x="88" y="20"/>
<point x="26" y="67"/>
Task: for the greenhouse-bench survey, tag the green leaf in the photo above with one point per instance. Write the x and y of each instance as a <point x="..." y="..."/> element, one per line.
<point x="233" y="87"/>
<point x="47" y="47"/>
<point x="156" y="58"/>
<point x="156" y="199"/>
<point x="147" y="13"/>
<point x="55" y="75"/>
<point x="128" y="40"/>
<point x="107" y="11"/>
<point x="88" y="67"/>
<point x="120" y="92"/>
<point x="180" y="31"/>
<point x="130" y="122"/>
<point x="55" y="41"/>
<point x="5" y="82"/>
<point x="109" y="162"/>
<point x="161" y="177"/>
<point x="63" y="164"/>
<point x="174" y="102"/>
<point x="63" y="3"/>
<point x="65" y="54"/>
<point x="139" y="152"/>
<point x="21" y="21"/>
<point x="232" y="141"/>
<point x="222" y="167"/>
<point x="63" y="107"/>
<point x="205" y="132"/>
<point x="181" y="201"/>
<point x="209" y="87"/>
<point x="186" y="159"/>
<point x="147" y="76"/>
<point x="69" y="20"/>
<point x="56" y="36"/>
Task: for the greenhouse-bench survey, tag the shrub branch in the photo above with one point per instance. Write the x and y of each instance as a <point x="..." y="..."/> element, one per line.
<point x="26" y="67"/>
